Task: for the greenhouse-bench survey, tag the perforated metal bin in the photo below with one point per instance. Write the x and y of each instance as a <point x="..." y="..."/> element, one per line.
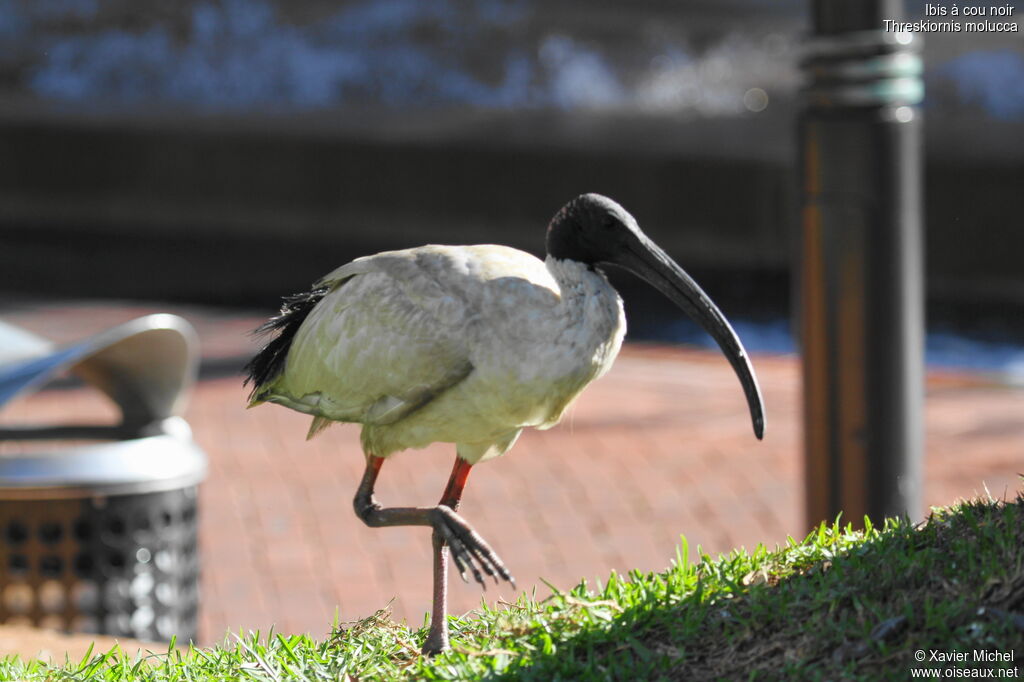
<point x="102" y="537"/>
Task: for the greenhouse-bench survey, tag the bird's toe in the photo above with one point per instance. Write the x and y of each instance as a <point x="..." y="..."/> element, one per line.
<point x="469" y="550"/>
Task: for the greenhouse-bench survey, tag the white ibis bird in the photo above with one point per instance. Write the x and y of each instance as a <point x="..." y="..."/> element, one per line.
<point x="468" y="345"/>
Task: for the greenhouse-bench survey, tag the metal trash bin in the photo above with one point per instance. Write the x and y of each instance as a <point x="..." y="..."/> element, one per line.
<point x="102" y="537"/>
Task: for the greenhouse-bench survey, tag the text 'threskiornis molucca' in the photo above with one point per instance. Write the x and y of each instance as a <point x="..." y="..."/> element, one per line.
<point x="469" y="345"/>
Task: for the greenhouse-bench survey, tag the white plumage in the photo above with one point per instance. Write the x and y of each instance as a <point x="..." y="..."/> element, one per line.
<point x="469" y="345"/>
<point x="452" y="344"/>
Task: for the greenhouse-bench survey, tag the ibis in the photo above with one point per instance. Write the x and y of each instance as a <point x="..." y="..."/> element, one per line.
<point x="468" y="345"/>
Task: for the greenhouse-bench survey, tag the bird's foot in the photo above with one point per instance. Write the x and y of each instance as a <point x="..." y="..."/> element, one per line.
<point x="435" y="644"/>
<point x="468" y="549"/>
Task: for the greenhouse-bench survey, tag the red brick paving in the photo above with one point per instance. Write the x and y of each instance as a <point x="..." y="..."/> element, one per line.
<point x="660" y="446"/>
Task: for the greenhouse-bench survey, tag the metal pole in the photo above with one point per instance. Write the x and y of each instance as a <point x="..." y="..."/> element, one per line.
<point x="861" y="276"/>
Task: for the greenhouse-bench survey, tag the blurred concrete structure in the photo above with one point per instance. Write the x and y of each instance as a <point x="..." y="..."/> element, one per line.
<point x="255" y="206"/>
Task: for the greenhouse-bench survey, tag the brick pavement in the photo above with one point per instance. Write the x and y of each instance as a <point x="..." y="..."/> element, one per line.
<point x="661" y="446"/>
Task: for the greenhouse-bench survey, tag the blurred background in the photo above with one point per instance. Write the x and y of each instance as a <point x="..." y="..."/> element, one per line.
<point x="208" y="157"/>
<point x="226" y="152"/>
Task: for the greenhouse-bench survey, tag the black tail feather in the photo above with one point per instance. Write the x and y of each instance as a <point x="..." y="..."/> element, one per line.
<point x="269" y="361"/>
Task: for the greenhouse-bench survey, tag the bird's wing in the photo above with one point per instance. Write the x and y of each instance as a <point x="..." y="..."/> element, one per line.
<point x="388" y="337"/>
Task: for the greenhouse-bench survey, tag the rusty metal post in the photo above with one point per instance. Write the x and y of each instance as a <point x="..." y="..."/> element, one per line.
<point x="861" y="272"/>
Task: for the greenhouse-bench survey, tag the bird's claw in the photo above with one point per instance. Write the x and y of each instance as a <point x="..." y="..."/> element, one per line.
<point x="469" y="550"/>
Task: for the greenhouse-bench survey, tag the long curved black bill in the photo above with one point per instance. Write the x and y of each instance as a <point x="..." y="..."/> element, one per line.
<point x="646" y="260"/>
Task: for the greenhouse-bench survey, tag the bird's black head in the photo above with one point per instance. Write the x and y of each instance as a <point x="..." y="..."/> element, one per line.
<point x="592" y="229"/>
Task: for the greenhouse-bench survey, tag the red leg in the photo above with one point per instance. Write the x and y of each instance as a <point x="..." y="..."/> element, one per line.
<point x="456" y="483"/>
<point x="467" y="548"/>
<point x="437" y="639"/>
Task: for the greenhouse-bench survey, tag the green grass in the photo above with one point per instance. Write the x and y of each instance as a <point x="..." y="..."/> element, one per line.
<point x="838" y="605"/>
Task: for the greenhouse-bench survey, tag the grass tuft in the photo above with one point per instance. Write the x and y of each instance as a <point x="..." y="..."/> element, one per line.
<point x="841" y="604"/>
